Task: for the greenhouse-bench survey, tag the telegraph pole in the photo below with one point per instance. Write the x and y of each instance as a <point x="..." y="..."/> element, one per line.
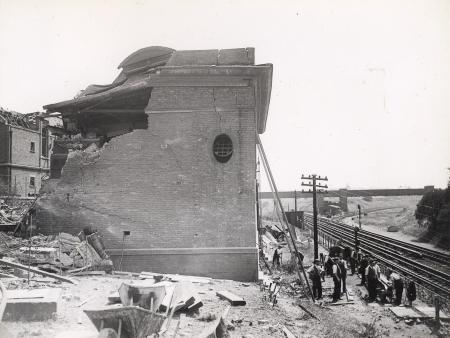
<point x="313" y="183"/>
<point x="295" y="202"/>
<point x="359" y="215"/>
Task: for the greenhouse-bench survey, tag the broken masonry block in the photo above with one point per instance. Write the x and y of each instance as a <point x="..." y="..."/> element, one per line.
<point x="31" y="305"/>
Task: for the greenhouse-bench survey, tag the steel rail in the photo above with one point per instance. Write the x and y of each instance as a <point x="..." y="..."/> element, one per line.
<point x="443" y="277"/>
<point x="438" y="257"/>
<point x="431" y="285"/>
<point x="439" y="274"/>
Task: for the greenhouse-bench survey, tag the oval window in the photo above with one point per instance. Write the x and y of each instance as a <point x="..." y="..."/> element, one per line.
<point x="223" y="148"/>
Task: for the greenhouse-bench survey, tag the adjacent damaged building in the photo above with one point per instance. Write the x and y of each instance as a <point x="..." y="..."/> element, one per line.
<point x="162" y="162"/>
<point x="25" y="146"/>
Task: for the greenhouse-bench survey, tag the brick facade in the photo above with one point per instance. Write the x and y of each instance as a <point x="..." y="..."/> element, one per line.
<point x="186" y="212"/>
<point x="18" y="162"/>
<point x="165" y="186"/>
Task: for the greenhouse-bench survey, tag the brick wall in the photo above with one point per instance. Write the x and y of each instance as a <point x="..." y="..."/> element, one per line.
<point x="25" y="163"/>
<point x="20" y="180"/>
<point x="21" y="140"/>
<point x="164" y="185"/>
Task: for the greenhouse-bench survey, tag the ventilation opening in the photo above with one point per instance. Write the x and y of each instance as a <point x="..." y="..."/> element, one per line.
<point x="223" y="148"/>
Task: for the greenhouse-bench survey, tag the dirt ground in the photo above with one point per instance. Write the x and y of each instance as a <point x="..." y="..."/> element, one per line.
<point x="258" y="318"/>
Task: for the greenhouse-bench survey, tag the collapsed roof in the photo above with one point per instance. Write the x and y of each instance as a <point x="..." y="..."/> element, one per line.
<point x="105" y="109"/>
<point x="19" y="120"/>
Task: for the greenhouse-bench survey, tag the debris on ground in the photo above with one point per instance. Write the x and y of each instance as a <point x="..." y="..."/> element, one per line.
<point x="231" y="297"/>
<point x="62" y="254"/>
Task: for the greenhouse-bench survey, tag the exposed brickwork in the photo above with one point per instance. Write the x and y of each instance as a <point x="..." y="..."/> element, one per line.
<point x="21" y="181"/>
<point x="21" y="141"/>
<point x="164" y="185"/>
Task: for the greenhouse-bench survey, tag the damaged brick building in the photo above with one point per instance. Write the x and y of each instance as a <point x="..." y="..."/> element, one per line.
<point x="162" y="162"/>
<point x="25" y="146"/>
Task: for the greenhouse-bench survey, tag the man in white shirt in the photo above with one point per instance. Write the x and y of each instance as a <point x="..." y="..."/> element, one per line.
<point x="343" y="269"/>
<point x="397" y="283"/>
<point x="372" y="275"/>
<point x="336" y="279"/>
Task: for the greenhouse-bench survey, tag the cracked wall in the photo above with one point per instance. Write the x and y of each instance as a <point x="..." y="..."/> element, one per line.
<point x="187" y="213"/>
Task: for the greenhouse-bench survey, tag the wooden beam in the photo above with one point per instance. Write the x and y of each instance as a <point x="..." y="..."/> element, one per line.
<point x="194" y="307"/>
<point x="231" y="297"/>
<point x="40" y="272"/>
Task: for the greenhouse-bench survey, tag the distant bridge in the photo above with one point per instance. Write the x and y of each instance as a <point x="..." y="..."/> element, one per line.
<point x="351" y="193"/>
<point x="344" y="194"/>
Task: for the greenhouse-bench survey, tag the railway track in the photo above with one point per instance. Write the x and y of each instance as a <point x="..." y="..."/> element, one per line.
<point x="426" y="267"/>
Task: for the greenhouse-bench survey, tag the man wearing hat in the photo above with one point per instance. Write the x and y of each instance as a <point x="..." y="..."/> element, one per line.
<point x="372" y="275"/>
<point x="316" y="274"/>
<point x="362" y="268"/>
<point x="336" y="279"/>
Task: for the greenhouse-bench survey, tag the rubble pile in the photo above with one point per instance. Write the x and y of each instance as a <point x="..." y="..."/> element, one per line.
<point x="62" y="253"/>
<point x="16" y="119"/>
<point x="14" y="212"/>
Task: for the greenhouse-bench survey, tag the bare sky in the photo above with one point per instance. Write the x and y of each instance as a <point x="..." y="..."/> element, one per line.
<point x="360" y="91"/>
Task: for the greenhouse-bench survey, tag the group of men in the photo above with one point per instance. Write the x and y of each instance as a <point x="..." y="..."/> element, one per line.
<point x="370" y="273"/>
<point x="339" y="273"/>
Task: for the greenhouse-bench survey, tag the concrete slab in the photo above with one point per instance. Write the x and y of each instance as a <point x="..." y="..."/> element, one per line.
<point x="430" y="312"/>
<point x="406" y="312"/>
<point x="31" y="305"/>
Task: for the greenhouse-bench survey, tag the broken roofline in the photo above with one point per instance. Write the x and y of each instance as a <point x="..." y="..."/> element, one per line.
<point x="182" y="76"/>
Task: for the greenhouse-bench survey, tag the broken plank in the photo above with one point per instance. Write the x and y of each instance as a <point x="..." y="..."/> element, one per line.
<point x="74" y="271"/>
<point x="406" y="312"/>
<point x="304" y="308"/>
<point x="90" y="273"/>
<point x="340" y="303"/>
<point x="40" y="272"/>
<point x="183" y="304"/>
<point x="194" y="307"/>
<point x="176" y="278"/>
<point x="125" y="273"/>
<point x="231" y="297"/>
<point x="287" y="333"/>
